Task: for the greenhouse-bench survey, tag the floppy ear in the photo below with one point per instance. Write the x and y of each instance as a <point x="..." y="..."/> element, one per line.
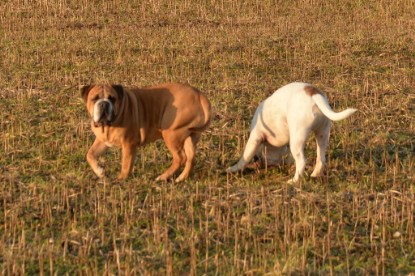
<point x="120" y="91"/>
<point x="85" y="91"/>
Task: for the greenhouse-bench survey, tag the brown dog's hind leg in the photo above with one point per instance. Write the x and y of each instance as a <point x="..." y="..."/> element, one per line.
<point x="128" y="156"/>
<point x="96" y="150"/>
<point x="174" y="142"/>
<point x="190" y="150"/>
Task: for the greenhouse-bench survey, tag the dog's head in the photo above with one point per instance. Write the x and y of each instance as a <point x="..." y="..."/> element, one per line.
<point x="103" y="102"/>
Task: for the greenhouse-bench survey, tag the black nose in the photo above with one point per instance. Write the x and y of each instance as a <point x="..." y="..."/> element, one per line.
<point x="105" y="109"/>
<point x="103" y="106"/>
<point x="107" y="113"/>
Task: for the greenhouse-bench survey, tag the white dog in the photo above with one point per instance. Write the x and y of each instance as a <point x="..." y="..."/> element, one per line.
<point x="288" y="116"/>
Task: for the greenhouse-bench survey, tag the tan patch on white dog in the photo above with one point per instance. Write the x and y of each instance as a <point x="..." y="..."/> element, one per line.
<point x="311" y="90"/>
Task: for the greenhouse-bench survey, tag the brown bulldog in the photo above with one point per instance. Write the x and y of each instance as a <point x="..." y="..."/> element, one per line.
<point x="129" y="118"/>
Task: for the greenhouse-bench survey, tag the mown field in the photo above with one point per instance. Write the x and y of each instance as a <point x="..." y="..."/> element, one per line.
<point x="57" y="217"/>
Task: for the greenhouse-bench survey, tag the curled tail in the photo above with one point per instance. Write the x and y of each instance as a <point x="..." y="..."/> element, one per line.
<point x="324" y="106"/>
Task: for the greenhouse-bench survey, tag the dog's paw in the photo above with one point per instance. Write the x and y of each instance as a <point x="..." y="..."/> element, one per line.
<point x="181" y="177"/>
<point x="161" y="178"/>
<point x="99" y="172"/>
<point x="121" y="177"/>
<point x="292" y="180"/>
<point x="232" y="169"/>
<point x="316" y="174"/>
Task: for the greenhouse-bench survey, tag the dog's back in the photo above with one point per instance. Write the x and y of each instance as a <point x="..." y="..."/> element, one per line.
<point x="175" y="105"/>
<point x="301" y="98"/>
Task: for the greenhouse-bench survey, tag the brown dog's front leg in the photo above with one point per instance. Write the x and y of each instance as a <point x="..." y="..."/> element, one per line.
<point x="128" y="155"/>
<point x="96" y="150"/>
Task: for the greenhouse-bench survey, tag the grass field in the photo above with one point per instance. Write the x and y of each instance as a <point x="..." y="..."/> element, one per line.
<point x="57" y="217"/>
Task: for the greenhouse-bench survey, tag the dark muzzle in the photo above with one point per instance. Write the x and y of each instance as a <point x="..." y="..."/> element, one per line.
<point x="107" y="114"/>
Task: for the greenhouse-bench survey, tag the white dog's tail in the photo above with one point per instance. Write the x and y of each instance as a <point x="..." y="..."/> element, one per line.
<point x="324" y="106"/>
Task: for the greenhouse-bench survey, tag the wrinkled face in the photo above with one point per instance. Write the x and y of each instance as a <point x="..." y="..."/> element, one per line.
<point x="102" y="102"/>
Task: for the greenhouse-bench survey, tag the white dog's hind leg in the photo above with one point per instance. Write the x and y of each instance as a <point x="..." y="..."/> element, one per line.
<point x="322" y="138"/>
<point x="297" y="142"/>
<point x="250" y="150"/>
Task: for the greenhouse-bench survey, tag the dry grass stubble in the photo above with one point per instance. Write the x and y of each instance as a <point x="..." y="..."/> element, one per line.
<point x="57" y="217"/>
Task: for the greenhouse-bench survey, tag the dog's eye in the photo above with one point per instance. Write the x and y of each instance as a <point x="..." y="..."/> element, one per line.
<point x="111" y="98"/>
<point x="96" y="98"/>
